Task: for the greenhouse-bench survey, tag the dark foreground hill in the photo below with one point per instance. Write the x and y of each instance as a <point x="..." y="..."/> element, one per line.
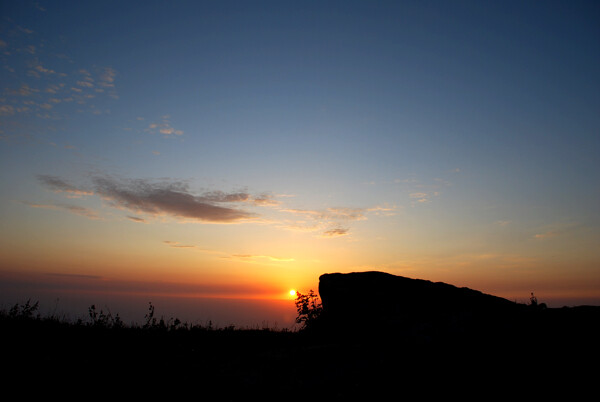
<point x="373" y="340"/>
<point x="437" y="312"/>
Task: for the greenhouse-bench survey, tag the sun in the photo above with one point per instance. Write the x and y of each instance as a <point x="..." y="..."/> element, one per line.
<point x="292" y="292"/>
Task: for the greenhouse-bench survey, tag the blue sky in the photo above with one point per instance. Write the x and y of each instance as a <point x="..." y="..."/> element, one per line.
<point x="454" y="140"/>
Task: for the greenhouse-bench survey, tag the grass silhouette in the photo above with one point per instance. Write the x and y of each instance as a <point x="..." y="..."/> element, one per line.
<point x="102" y="355"/>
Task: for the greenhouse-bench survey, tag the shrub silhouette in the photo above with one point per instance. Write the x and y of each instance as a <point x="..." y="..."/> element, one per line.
<point x="309" y="309"/>
<point x="153" y="323"/>
<point x="23" y="311"/>
<point x="102" y="319"/>
<point x="533" y="303"/>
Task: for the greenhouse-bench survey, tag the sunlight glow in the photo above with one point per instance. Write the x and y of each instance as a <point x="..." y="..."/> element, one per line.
<point x="292" y="292"/>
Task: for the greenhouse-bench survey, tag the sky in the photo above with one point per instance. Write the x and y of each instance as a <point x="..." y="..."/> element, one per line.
<point x="209" y="156"/>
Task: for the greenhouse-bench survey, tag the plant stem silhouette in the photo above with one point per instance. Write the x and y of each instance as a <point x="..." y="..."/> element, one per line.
<point x="309" y="309"/>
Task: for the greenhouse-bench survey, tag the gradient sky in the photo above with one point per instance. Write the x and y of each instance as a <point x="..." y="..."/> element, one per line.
<point x="221" y="150"/>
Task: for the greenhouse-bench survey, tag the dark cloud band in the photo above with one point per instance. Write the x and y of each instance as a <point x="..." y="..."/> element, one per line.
<point x="170" y="198"/>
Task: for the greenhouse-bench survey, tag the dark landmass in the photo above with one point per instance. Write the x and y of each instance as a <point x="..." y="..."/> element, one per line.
<point x="378" y="335"/>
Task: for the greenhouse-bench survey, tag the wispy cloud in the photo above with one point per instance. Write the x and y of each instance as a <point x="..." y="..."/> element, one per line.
<point x="336" y="232"/>
<point x="170" y="198"/>
<point x="420" y="197"/>
<point x="164" y="127"/>
<point x="146" y="198"/>
<point x="167" y="197"/>
<point x="563" y="230"/>
<point x="266" y="200"/>
<point x="87" y="212"/>
<point x="7" y="110"/>
<point x="33" y="72"/>
<point x="221" y="196"/>
<point x="107" y="77"/>
<point x="333" y="213"/>
<point x="331" y="222"/>
<point x="423" y="192"/>
<point x="383" y="210"/>
<point x="254" y="258"/>
<point x="247" y="258"/>
<point x="58" y="185"/>
<point x="546" y="235"/>
<point x="75" y="209"/>
<point x="175" y="244"/>
<point x="350" y="214"/>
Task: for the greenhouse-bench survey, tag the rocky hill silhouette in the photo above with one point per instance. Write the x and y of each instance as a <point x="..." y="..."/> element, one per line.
<point x="441" y="335"/>
<point x="442" y="313"/>
<point x="387" y="299"/>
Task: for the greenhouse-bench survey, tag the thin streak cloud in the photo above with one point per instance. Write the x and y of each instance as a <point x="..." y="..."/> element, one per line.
<point x="252" y="257"/>
<point x="75" y="209"/>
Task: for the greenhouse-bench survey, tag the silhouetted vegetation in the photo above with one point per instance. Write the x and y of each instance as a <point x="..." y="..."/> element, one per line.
<point x="533" y="302"/>
<point x="22" y="311"/>
<point x="364" y="360"/>
<point x="309" y="309"/>
<point x="105" y="320"/>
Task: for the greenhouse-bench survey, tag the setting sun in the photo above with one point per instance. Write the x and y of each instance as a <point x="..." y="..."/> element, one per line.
<point x="292" y="293"/>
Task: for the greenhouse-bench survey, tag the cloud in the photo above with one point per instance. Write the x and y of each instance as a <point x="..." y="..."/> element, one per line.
<point x="58" y="185"/>
<point x="164" y="127"/>
<point x="6" y="110"/>
<point x="176" y="244"/>
<point x="383" y="210"/>
<point x="352" y="214"/>
<point x="78" y="276"/>
<point x="75" y="209"/>
<point x="165" y="198"/>
<point x="169" y="198"/>
<point x="42" y="69"/>
<point x="220" y="196"/>
<point x="30" y="64"/>
<point x="336" y="232"/>
<point x="306" y="212"/>
<point x="107" y="77"/>
<point x="266" y="200"/>
<point x="81" y="211"/>
<point x="85" y="84"/>
<point x="248" y="258"/>
<point x="253" y="258"/>
<point x="546" y="235"/>
<point x="332" y="221"/>
<point x="334" y="213"/>
<point x="420" y="196"/>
